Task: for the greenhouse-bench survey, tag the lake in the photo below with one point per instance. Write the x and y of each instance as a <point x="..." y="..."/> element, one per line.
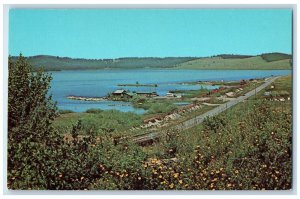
<point x="97" y="83"/>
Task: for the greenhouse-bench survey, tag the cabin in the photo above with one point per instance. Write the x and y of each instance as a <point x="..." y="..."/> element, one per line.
<point x="119" y="93"/>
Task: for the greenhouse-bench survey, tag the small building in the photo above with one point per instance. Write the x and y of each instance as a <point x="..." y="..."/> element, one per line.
<point x="119" y="92"/>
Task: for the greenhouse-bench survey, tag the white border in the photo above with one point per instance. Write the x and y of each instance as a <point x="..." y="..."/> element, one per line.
<point x="146" y="4"/>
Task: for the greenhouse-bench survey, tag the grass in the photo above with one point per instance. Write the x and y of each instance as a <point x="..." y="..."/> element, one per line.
<point x="98" y="121"/>
<point x="281" y="85"/>
<point x="154" y="106"/>
<point x="252" y="63"/>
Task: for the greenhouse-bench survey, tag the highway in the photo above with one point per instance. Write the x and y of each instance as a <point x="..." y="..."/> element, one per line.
<point x="199" y="119"/>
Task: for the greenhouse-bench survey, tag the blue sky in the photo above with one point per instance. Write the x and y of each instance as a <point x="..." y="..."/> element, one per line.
<point x="149" y="33"/>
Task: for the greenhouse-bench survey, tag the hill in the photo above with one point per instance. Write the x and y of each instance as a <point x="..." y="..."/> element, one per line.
<point x="223" y="61"/>
<point x="261" y="62"/>
<point x="66" y="63"/>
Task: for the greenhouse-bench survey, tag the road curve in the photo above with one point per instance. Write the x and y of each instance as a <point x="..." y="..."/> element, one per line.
<point x="199" y="119"/>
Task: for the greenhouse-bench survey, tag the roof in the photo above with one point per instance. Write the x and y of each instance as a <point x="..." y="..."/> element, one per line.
<point x="119" y="91"/>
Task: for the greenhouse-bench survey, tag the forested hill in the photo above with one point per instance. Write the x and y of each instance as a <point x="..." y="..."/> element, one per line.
<point x="223" y="61"/>
<point x="66" y="63"/>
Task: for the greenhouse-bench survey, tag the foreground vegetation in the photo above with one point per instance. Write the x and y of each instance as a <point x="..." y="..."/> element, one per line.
<point x="97" y="121"/>
<point x="248" y="147"/>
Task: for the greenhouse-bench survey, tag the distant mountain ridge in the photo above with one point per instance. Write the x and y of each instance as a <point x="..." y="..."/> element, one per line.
<point x="65" y="63"/>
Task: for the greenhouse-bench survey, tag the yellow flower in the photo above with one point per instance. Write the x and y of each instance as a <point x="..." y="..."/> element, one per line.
<point x="171" y="186"/>
<point x="180" y="181"/>
<point x="215" y="179"/>
<point x="160" y="176"/>
<point x="176" y="175"/>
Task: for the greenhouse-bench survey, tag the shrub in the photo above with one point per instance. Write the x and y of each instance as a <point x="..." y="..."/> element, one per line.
<point x="94" y="110"/>
<point x="65" y="111"/>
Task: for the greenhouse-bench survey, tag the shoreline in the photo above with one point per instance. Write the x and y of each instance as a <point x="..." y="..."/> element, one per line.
<point x="82" y="98"/>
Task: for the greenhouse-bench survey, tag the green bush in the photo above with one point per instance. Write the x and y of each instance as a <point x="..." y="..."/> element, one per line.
<point x="94" y="110"/>
<point x="65" y="111"/>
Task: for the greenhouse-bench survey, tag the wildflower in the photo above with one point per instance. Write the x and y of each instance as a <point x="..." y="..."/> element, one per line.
<point x="236" y="171"/>
<point x="180" y="181"/>
<point x="139" y="178"/>
<point x="176" y="175"/>
<point x="171" y="186"/>
<point x="215" y="179"/>
<point x="160" y="176"/>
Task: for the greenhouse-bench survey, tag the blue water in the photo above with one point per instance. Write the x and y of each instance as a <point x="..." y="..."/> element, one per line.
<point x="97" y="83"/>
